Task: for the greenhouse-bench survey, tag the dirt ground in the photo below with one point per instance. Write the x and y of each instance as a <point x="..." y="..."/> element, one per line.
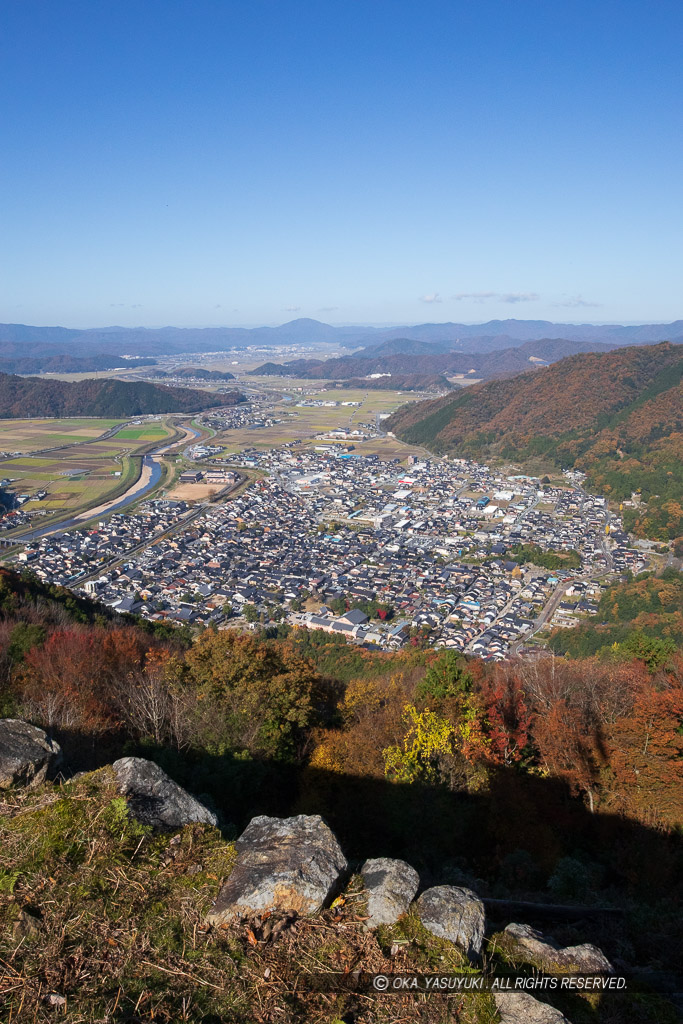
<point x="194" y="492"/>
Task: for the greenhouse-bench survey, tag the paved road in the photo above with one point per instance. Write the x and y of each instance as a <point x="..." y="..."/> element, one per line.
<point x="555" y="598"/>
<point x="550" y="607"/>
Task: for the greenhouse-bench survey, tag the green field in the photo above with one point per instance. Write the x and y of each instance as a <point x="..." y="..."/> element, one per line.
<point x="151" y="433"/>
<point x="78" y="477"/>
<point x="65" y="490"/>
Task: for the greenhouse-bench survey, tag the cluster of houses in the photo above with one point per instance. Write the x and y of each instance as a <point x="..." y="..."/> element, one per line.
<point x="67" y="558"/>
<point x="253" y="414"/>
<point x="424" y="549"/>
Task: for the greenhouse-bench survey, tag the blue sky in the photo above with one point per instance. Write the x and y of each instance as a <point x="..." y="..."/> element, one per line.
<point x="205" y="162"/>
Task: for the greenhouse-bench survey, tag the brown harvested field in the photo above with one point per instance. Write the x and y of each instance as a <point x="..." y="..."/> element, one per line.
<point x="30" y="435"/>
<point x="389" y="448"/>
<point x="194" y="492"/>
<point x="71" y="478"/>
<point x="85" y="476"/>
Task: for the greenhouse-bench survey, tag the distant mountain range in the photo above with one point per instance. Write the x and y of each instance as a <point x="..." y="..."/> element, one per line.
<point x="20" y="341"/>
<point x="617" y="416"/>
<point x="498" y="334"/>
<point x="404" y="355"/>
<point x="34" y="396"/>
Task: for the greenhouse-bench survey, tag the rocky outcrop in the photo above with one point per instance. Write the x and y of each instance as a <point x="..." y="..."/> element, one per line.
<point x="155" y="799"/>
<point x="26" y="753"/>
<point x="522" y="1008"/>
<point x="526" y="944"/>
<point x="454" y="913"/>
<point x="391" y="886"/>
<point x="284" y="865"/>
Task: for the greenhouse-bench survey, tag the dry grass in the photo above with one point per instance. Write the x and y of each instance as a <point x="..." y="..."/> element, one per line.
<point x="29" y="435"/>
<point x="102" y="921"/>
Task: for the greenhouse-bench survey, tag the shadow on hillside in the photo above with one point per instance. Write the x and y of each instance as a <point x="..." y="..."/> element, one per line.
<point x="513" y="833"/>
<point x="506" y="842"/>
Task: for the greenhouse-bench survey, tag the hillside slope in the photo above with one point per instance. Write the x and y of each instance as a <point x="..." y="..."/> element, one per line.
<point x="102" y="919"/>
<point x="66" y="363"/>
<point x="406" y="356"/>
<point x="617" y="416"/>
<point x="31" y="396"/>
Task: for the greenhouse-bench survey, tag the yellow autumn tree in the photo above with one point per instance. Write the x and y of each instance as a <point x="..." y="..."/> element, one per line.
<point x="429" y="739"/>
<point x="439" y="750"/>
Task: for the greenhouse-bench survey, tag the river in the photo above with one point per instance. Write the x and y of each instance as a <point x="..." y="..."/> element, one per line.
<point x="149" y="478"/>
<point x="150" y="475"/>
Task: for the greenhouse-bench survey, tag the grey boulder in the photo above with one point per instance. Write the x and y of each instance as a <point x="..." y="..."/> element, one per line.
<point x="391" y="886"/>
<point x="283" y="865"/>
<point x="454" y="913"/>
<point x="522" y="1008"/>
<point x="155" y="799"/>
<point x="26" y="753"/>
<point x="532" y="946"/>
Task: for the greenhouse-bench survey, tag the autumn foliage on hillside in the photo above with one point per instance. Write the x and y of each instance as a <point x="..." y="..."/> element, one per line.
<point x="616" y="416"/>
<point x="611" y="730"/>
<point x="642" y="617"/>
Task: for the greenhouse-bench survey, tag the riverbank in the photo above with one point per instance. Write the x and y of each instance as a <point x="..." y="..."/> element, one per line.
<point x="139" y="486"/>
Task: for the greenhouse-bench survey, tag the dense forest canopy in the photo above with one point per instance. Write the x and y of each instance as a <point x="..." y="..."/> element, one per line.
<point x="33" y="396"/>
<point x="307" y="698"/>
<point x="67" y="363"/>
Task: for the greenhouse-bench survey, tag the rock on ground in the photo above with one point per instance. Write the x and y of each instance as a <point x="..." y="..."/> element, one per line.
<point x="454" y="913"/>
<point x="522" y="1008"/>
<point x="283" y="864"/>
<point x="544" y="952"/>
<point x="391" y="886"/>
<point x="26" y="753"/>
<point x="155" y="799"/>
<point x="27" y="925"/>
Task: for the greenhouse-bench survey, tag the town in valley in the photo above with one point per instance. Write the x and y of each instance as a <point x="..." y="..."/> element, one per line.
<point x="342" y="529"/>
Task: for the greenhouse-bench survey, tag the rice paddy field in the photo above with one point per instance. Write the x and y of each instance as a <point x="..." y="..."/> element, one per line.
<point x="304" y="422"/>
<point x="71" y="481"/>
<point x="148" y="432"/>
<point x="83" y="475"/>
<point x="32" y="435"/>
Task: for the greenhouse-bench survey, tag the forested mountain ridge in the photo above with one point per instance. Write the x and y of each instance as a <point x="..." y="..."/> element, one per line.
<point x="34" y="396"/>
<point x="403" y="355"/>
<point x="66" y="363"/>
<point x="617" y="416"/>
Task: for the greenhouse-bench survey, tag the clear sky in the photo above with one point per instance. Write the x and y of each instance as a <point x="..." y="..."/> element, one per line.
<point x="206" y="162"/>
